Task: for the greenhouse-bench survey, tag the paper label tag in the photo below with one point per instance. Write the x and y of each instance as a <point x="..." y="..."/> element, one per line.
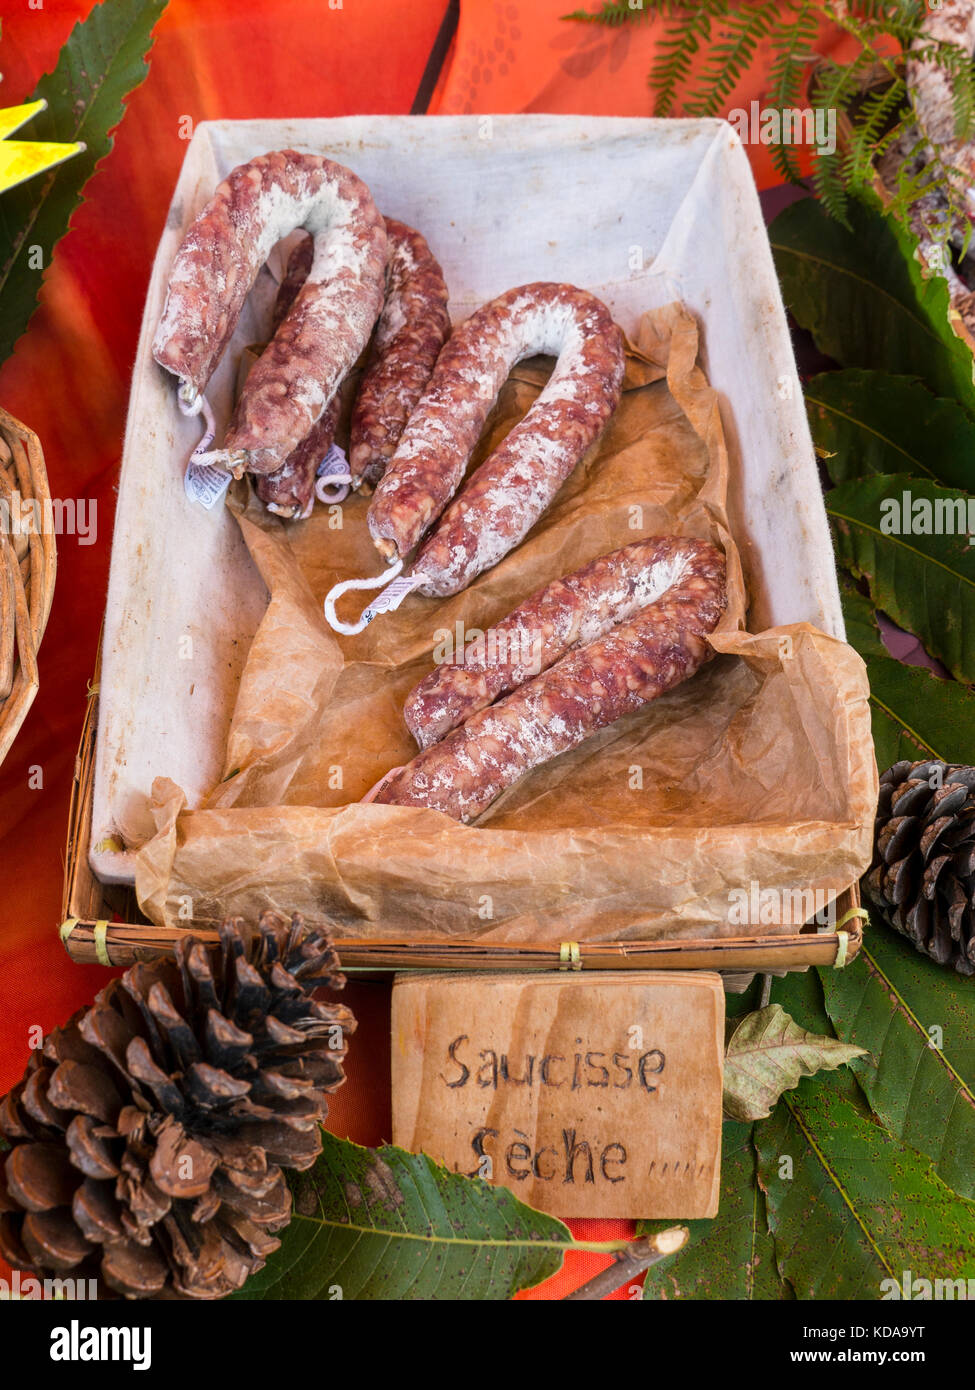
<point x="333" y="462"/>
<point x="202" y="482"/>
<point x="393" y="595"/>
<point x="595" y="1093"/>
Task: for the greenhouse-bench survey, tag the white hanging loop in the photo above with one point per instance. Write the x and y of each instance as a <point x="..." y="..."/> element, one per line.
<point x="333" y="477"/>
<point x="333" y="487"/>
<point x="202" y="482"/>
<point x="337" y="590"/>
<point x="193" y="406"/>
<point x="393" y="594"/>
<point x="192" y="402"/>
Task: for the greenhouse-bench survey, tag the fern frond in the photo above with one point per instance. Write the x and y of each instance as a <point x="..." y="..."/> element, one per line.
<point x="892" y="134"/>
<point x="956" y="64"/>
<point x="889" y="12"/>
<point x="838" y="83"/>
<point x="731" y="55"/>
<point x="830" y="188"/>
<point x="730" y="31"/>
<point x="676" y="52"/>
<point x="869" y="21"/>
<point x="794" y="51"/>
<point x="868" y="129"/>
<point x="616" y="13"/>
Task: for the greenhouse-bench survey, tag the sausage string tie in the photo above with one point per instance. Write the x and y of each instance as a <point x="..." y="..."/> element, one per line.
<point x="192" y="402"/>
<point x="395" y="590"/>
<point x="202" y="482"/>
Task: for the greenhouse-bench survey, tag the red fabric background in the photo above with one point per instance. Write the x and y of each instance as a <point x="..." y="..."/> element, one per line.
<point x="69" y="378"/>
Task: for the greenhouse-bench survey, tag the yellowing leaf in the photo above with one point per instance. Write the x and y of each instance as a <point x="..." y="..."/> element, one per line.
<point x="769" y="1053"/>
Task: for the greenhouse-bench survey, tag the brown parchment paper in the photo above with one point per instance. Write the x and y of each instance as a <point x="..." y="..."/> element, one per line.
<point x="758" y="772"/>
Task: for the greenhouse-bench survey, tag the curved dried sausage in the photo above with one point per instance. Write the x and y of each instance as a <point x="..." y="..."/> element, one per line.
<point x="587" y="689"/>
<point x="510" y="490"/>
<point x="326" y="327"/>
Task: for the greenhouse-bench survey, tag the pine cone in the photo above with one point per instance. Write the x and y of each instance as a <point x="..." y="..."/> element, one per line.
<point x="149" y="1134"/>
<point x="923" y="874"/>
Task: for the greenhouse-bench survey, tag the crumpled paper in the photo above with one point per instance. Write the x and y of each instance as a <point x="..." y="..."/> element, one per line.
<point x="757" y="773"/>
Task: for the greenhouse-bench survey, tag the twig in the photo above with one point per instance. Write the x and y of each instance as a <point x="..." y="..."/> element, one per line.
<point x="628" y="1263"/>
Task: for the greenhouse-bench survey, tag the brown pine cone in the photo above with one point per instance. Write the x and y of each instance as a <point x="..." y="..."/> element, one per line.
<point x="923" y="874"/>
<point x="149" y="1134"/>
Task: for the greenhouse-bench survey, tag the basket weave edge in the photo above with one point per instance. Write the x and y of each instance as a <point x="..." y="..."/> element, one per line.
<point x="29" y="581"/>
<point x="103" y="931"/>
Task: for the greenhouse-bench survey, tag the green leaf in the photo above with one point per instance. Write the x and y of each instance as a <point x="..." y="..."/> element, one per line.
<point x="925" y="582"/>
<point x="386" y="1224"/>
<point x="732" y="52"/>
<point x="852" y="1207"/>
<point x="916" y="715"/>
<point x="732" y="1255"/>
<point x="801" y="994"/>
<point x="886" y="1001"/>
<point x="101" y="62"/>
<point x="861" y="294"/>
<point x="872" y="422"/>
<point x="767" y="1054"/>
<point x="787" y="72"/>
<point x="860" y="620"/>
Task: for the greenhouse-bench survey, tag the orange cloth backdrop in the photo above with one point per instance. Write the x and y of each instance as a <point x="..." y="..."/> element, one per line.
<point x="69" y="378"/>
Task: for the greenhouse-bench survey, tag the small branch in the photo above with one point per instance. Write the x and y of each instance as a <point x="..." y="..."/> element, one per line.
<point x="630" y="1262"/>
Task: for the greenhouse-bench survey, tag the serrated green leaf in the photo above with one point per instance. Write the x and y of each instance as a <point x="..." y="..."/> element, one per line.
<point x="849" y="1206"/>
<point x="860" y="292"/>
<point x="99" y="65"/>
<point x="732" y="1255"/>
<point x="767" y="1054"/>
<point x="926" y="583"/>
<point x="386" y="1224"/>
<point x="872" y="422"/>
<point x="914" y="714"/>
<point x="886" y="1001"/>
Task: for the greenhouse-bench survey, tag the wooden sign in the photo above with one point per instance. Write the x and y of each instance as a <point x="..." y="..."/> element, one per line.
<point x="587" y="1094"/>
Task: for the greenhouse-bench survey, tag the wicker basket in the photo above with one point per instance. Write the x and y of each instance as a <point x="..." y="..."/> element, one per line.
<point x="102" y="923"/>
<point x="28" y="565"/>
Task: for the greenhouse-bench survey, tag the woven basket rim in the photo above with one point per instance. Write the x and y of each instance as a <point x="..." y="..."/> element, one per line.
<point x="28" y="569"/>
<point x="98" y="926"/>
